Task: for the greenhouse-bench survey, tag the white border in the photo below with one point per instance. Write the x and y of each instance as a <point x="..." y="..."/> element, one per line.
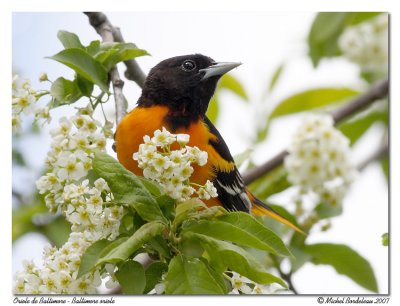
<point x="6" y="9"/>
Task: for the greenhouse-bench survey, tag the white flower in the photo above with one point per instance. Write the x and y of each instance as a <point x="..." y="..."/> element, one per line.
<point x="319" y="155"/>
<point x="16" y="123"/>
<point x="172" y="169"/>
<point x="64" y="127"/>
<point x="182" y="139"/>
<point x="101" y="185"/>
<point x="48" y="182"/>
<point x="70" y="168"/>
<point x="211" y="190"/>
<point x="43" y="77"/>
<point x="367" y="44"/>
<point x="163" y="138"/>
<point x="240" y="284"/>
<point x="24" y="102"/>
<point x="43" y="113"/>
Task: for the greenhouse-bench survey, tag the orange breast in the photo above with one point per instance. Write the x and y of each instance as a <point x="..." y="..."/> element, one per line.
<point x="144" y="121"/>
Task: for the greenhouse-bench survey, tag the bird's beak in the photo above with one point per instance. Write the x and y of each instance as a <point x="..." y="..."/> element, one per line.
<point x="218" y="69"/>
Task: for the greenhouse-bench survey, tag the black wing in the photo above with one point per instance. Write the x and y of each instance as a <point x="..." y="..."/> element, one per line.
<point x="229" y="184"/>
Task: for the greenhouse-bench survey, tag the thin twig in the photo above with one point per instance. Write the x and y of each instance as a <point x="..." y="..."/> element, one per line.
<point x="100" y="22"/>
<point x="377" y="91"/>
<point x="382" y="151"/>
<point x="133" y="71"/>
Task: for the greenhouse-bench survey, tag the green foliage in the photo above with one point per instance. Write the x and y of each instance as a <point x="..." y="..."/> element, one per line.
<point x="271" y="183"/>
<point x="225" y="255"/>
<point x="70" y="40"/>
<point x="91" y="65"/>
<point x="354" y="128"/>
<point x="312" y="99"/>
<point x="127" y="187"/>
<point x="385" y="239"/>
<point x="346" y="261"/>
<point x="91" y="256"/>
<point x="194" y="245"/>
<point x="131" y="277"/>
<point x="127" y="248"/>
<point x="188" y="275"/>
<point x="64" y="91"/>
<point x="154" y="273"/>
<point x="243" y="229"/>
<point x="326" y="29"/>
<point x="275" y="77"/>
<point x="233" y="85"/>
<point x="213" y="109"/>
<point x="85" y="65"/>
<point x="229" y="83"/>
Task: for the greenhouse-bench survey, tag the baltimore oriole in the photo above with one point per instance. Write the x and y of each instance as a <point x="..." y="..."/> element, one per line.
<point x="176" y="95"/>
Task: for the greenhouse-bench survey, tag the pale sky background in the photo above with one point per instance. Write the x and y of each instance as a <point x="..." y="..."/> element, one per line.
<point x="261" y="41"/>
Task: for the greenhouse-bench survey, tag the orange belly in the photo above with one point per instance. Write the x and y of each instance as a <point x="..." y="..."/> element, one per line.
<point x="144" y="121"/>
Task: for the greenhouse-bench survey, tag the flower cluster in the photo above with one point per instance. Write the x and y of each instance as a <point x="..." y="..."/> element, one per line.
<point x="367" y="44"/>
<point x="88" y="209"/>
<point x="318" y="160"/>
<point x="24" y="98"/>
<point x="173" y="168"/>
<point x="70" y="157"/>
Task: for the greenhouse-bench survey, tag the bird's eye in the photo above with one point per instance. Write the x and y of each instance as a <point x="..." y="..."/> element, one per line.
<point x="188" y="65"/>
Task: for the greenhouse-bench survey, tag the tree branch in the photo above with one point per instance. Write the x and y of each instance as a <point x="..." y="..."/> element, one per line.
<point x="377" y="155"/>
<point x="100" y="22"/>
<point x="133" y="71"/>
<point x="377" y="91"/>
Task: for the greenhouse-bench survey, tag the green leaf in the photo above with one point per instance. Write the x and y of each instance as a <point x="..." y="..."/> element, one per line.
<point x="64" y="92"/>
<point x="232" y="84"/>
<point x="353" y="129"/>
<point x="127" y="188"/>
<point x="241" y="228"/>
<point x="57" y="231"/>
<point x="358" y="17"/>
<point x="346" y="261"/>
<point x="298" y="259"/>
<point x="160" y="246"/>
<point x="227" y="255"/>
<point x="328" y="210"/>
<point x="85" y="86"/>
<point x="93" y="48"/>
<point x="154" y="273"/>
<point x="322" y="38"/>
<point x="69" y="40"/>
<point x="385" y="239"/>
<point x="213" y="109"/>
<point x="131" y="277"/>
<point x="124" y="51"/>
<point x="188" y="275"/>
<point x="275" y="77"/>
<point x="18" y="158"/>
<point x="150" y="186"/>
<point x="271" y="183"/>
<point x="184" y="210"/>
<point x="311" y="99"/>
<point x="133" y="243"/>
<point x="91" y="256"/>
<point x="85" y="65"/>
<point x="326" y="29"/>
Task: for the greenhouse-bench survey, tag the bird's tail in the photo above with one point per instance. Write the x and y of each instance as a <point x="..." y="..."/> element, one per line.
<point x="259" y="208"/>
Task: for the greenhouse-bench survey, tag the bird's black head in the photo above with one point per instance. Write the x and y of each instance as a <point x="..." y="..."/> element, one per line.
<point x="184" y="83"/>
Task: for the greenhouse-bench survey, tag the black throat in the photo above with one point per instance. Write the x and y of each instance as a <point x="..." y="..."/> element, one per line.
<point x="185" y="108"/>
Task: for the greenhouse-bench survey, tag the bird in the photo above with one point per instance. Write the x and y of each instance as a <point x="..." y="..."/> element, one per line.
<point x="176" y="95"/>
